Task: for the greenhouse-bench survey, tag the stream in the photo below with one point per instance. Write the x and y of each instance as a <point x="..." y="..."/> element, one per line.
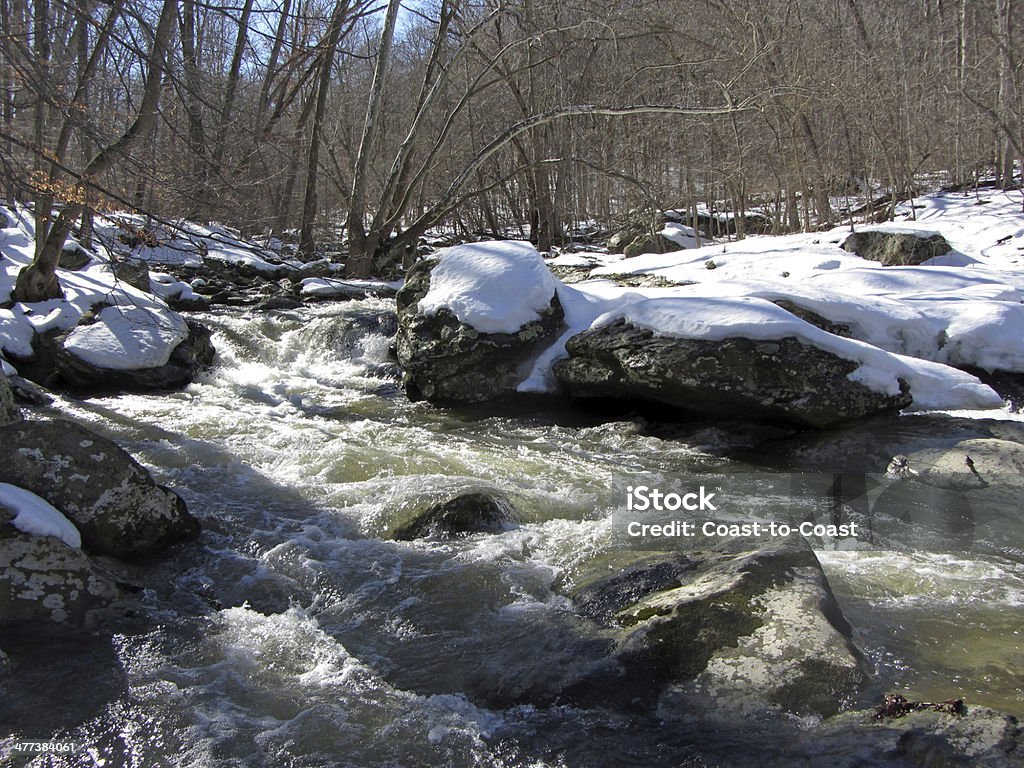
<point x="290" y="634"/>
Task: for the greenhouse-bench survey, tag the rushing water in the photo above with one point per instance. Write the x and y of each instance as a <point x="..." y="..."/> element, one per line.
<point x="290" y="635"/>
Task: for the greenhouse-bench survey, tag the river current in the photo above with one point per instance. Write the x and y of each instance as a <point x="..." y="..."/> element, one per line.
<point x="290" y="634"/>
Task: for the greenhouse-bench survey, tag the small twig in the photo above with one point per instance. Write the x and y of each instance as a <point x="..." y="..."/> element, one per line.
<point x="893" y="705"/>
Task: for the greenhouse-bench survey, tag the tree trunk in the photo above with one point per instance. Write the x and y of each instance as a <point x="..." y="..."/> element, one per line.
<point x="1007" y="96"/>
<point x="307" y="242"/>
<point x="363" y="247"/>
<point x="38" y="281"/>
<point x="231" y="88"/>
<point x="194" y="110"/>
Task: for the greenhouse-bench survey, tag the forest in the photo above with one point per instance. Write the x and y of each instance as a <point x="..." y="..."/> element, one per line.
<point x="351" y="129"/>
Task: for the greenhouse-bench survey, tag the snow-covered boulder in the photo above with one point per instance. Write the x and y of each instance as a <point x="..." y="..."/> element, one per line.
<point x="43" y="579"/>
<point x="99" y="331"/>
<point x="746" y="631"/>
<point x="113" y="501"/>
<point x="748" y="359"/>
<point x="472" y="319"/>
<point x="128" y="350"/>
<point x="893" y="248"/>
<point x="752" y="380"/>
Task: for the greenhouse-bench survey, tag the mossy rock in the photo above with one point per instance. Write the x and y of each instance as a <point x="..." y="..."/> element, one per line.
<point x="743" y="631"/>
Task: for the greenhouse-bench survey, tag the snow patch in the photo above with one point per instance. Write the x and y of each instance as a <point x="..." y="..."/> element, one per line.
<point x="127" y="339"/>
<point x="495" y="287"/>
<point x="36" y="517"/>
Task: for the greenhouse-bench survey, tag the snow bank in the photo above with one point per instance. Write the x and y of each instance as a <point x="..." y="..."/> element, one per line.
<point x="133" y="329"/>
<point x="908" y="323"/>
<point x="964" y="308"/>
<point x="495" y="287"/>
<point x="35" y="516"/>
<point x="183" y="243"/>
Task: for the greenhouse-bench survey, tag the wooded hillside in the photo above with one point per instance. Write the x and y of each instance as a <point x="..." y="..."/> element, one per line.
<point x="360" y="124"/>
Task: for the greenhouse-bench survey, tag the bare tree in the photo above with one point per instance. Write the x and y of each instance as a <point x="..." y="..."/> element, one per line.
<point x="38" y="281"/>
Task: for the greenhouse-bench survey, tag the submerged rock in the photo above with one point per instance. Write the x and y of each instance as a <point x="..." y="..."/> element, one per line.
<point x="474" y="512"/>
<point x="42" y="579"/>
<point x="783" y="380"/>
<point x="896" y="249"/>
<point x="114" y="502"/>
<point x="938" y="501"/>
<point x="740" y="632"/>
<point x="448" y="361"/>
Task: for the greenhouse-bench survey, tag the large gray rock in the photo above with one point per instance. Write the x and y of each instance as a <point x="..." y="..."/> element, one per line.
<point x="781" y="381"/>
<point x="8" y="408"/>
<point x="118" y="508"/>
<point x="738" y="632"/>
<point x="447" y="361"/>
<point x="42" y="579"/>
<point x="134" y="272"/>
<point x="895" y="249"/>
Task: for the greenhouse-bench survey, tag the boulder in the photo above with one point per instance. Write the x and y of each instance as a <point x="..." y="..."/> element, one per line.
<point x="733" y="631"/>
<point x="473" y="512"/>
<point x="74" y="257"/>
<point x="8" y="408"/>
<point x="896" y="249"/>
<point x="783" y="381"/>
<point x="134" y="272"/>
<point x="650" y="244"/>
<point x="617" y="243"/>
<point x="447" y="361"/>
<point x="115" y="503"/>
<point x="42" y="579"/>
<point x="950" y="497"/>
<point x="55" y="366"/>
<point x="977" y="737"/>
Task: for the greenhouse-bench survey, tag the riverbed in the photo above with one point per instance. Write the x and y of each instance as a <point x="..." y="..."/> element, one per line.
<point x="291" y="634"/>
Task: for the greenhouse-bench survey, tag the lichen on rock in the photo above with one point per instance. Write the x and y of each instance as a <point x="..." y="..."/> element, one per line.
<point x="115" y="503"/>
